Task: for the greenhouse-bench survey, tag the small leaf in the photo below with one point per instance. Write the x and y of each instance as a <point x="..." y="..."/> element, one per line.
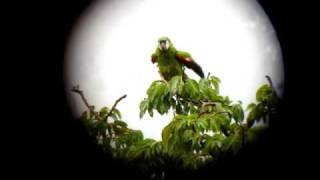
<point x="216" y="98"/>
<point x="117" y="113"/>
<point x="163" y="108"/>
<point x="264" y="92"/>
<point x="227" y="100"/>
<point x="251" y="106"/>
<point x="104" y="111"/>
<point x="237" y="113"/>
<point x="251" y="118"/>
<point x="175" y="85"/>
<point x="114" y="117"/>
<point x="120" y="123"/>
<point x="150" y="111"/>
<point x="202" y="124"/>
<point x="232" y="143"/>
<point x="255" y="132"/>
<point x="187" y="135"/>
<point x="143" y="108"/>
<point x="191" y="89"/>
<point x="215" y="81"/>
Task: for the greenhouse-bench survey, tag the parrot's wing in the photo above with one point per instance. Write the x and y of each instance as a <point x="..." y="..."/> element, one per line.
<point x="153" y="58"/>
<point x="186" y="59"/>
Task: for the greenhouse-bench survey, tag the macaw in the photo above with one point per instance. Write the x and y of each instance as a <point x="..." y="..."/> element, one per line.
<point x="172" y="62"/>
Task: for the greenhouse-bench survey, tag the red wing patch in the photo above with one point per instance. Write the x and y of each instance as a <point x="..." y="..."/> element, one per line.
<point x="153" y="58"/>
<point x="188" y="59"/>
<point x="184" y="60"/>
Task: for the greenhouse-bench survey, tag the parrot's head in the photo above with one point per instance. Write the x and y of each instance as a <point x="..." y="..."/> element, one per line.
<point x="164" y="44"/>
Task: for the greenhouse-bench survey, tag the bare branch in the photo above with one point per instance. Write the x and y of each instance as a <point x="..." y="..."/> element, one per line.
<point x="114" y="105"/>
<point x="271" y="85"/>
<point x="76" y="89"/>
<point x="269" y="80"/>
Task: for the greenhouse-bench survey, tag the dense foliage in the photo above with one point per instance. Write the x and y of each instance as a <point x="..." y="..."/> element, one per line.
<point x="206" y="126"/>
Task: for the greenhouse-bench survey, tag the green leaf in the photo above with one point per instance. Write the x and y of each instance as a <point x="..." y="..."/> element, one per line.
<point x="232" y="143"/>
<point x="114" y="117"/>
<point x="143" y="108"/>
<point x="223" y="119"/>
<point x="255" y="132"/>
<point x="214" y="143"/>
<point x="227" y="100"/>
<point x="187" y="135"/>
<point x="104" y="111"/>
<point x="120" y="123"/>
<point x="202" y="124"/>
<point x="158" y="95"/>
<point x="251" y="117"/>
<point x="102" y="127"/>
<point x="264" y="92"/>
<point x="166" y="134"/>
<point x="191" y="89"/>
<point x="150" y="111"/>
<point x="259" y="111"/>
<point x="215" y="81"/>
<point x="210" y="94"/>
<point x="251" y="106"/>
<point x="237" y="113"/>
<point x="117" y="113"/>
<point x="175" y="85"/>
<point x="205" y="89"/>
<point x="216" y="98"/>
<point x="218" y="122"/>
<point x="163" y="108"/>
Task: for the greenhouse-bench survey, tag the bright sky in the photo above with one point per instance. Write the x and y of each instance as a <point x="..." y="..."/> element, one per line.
<point x="109" y="52"/>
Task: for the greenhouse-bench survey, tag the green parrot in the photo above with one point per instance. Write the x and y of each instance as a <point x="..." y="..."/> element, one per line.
<point x="172" y="62"/>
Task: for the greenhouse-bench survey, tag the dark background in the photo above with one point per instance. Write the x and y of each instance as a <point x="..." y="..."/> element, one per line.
<point x="48" y="142"/>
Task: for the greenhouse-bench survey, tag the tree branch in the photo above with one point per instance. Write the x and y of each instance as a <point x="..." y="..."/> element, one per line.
<point x="271" y="85"/>
<point x="76" y="89"/>
<point x="269" y="80"/>
<point x="114" y="105"/>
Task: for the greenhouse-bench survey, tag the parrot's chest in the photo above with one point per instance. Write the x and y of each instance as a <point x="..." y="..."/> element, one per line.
<point x="169" y="66"/>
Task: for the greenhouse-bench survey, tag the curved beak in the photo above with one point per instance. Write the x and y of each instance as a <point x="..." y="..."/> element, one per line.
<point x="163" y="46"/>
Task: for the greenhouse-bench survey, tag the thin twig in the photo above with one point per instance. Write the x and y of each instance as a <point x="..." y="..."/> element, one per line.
<point x="269" y="80"/>
<point x="114" y="105"/>
<point x="271" y="85"/>
<point x="77" y="90"/>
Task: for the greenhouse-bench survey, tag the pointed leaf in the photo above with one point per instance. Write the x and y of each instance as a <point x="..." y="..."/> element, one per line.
<point x="237" y="113"/>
